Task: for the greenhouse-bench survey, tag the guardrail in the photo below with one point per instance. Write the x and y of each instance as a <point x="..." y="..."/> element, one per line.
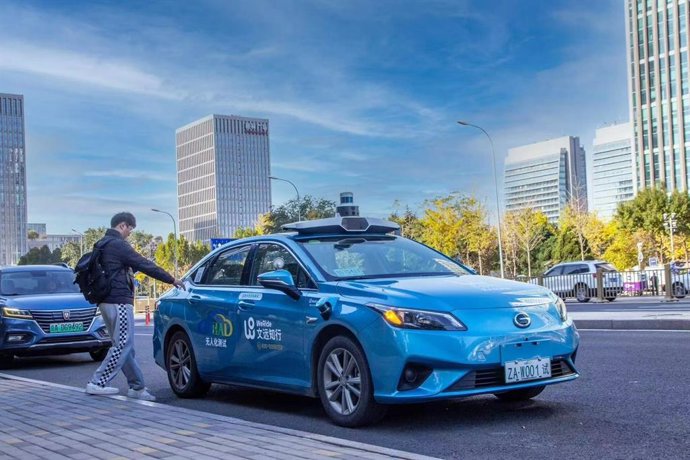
<point x="666" y="281"/>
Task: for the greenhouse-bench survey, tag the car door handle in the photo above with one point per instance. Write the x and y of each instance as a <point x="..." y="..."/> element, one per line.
<point x="244" y="306"/>
<point x="194" y="298"/>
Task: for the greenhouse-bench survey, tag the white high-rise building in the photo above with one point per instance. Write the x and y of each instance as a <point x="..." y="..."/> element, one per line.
<point x="546" y="176"/>
<point x="612" y="169"/>
<point x="223" y="164"/>
<point x="659" y="89"/>
<point x="13" y="212"/>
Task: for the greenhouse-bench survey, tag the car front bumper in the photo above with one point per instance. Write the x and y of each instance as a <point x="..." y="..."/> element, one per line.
<point x="454" y="364"/>
<point x="24" y="337"/>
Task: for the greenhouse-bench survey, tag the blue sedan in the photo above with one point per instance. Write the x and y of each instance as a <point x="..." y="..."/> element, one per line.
<point x="344" y="310"/>
<point x="42" y="312"/>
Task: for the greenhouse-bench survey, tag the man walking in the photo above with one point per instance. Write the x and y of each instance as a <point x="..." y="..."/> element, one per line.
<point x="119" y="260"/>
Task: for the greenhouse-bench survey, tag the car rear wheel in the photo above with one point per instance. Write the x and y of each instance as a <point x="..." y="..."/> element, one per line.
<point x="610" y="299"/>
<point x="180" y="365"/>
<point x="345" y="386"/>
<point x="6" y="361"/>
<point x="678" y="290"/>
<point x="520" y="395"/>
<point x="582" y="293"/>
<point x="99" y="355"/>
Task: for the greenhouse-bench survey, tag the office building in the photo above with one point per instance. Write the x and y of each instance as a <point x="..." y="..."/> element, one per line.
<point x="223" y="164"/>
<point x="612" y="169"/>
<point x="13" y="219"/>
<point x="546" y="176"/>
<point x="54" y="241"/>
<point x="657" y="36"/>
<point x="40" y="229"/>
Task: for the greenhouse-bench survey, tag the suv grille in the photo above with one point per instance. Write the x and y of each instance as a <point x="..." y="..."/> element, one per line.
<point x="495" y="377"/>
<point x="45" y="318"/>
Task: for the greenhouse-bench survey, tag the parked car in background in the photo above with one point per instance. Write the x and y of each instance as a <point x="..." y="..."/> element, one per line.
<point x="579" y="280"/>
<point x="42" y="312"/>
<point x="342" y="310"/>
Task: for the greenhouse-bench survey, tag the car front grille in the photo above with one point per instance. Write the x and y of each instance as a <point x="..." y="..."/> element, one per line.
<point x="67" y="338"/>
<point x="495" y="377"/>
<point x="45" y="318"/>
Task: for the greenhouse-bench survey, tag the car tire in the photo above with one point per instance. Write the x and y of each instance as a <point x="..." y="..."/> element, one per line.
<point x="679" y="290"/>
<point x="99" y="355"/>
<point x="180" y="365"/>
<point x="6" y="361"/>
<point x="610" y="299"/>
<point x="345" y="386"/>
<point x="581" y="293"/>
<point x="520" y="395"/>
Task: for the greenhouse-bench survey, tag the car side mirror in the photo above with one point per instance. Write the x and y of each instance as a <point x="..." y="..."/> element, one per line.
<point x="280" y="280"/>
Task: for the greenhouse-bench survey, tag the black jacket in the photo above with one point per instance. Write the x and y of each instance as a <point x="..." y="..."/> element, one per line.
<point x="119" y="260"/>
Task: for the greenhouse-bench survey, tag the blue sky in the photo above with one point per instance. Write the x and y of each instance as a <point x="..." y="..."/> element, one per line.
<point x="362" y="96"/>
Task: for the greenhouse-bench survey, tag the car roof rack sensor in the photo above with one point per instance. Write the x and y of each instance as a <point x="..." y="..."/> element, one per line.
<point x="338" y="225"/>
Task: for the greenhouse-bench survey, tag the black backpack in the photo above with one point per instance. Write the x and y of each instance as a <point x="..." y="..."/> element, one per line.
<point x="91" y="276"/>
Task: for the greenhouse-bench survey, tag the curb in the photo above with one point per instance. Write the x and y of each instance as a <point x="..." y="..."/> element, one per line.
<point x="637" y="324"/>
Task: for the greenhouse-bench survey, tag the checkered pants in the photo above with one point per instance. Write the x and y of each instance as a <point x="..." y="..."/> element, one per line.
<point x="119" y="319"/>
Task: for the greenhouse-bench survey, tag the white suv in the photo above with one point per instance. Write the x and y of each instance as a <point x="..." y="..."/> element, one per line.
<point x="579" y="280"/>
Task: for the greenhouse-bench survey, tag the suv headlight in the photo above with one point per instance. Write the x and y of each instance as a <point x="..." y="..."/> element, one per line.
<point x="562" y="311"/>
<point x="418" y="319"/>
<point x="10" y="312"/>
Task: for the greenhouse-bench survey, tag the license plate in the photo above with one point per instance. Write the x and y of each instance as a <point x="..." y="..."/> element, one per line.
<point x="529" y="369"/>
<point x="61" y="328"/>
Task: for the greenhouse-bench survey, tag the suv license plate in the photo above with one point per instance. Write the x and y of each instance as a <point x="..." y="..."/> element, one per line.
<point x="60" y="328"/>
<point x="529" y="369"/>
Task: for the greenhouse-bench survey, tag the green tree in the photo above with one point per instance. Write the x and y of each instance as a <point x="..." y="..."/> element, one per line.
<point x="442" y="225"/>
<point x="42" y="255"/>
<point x="410" y="225"/>
<point x="308" y="208"/>
<point x="33" y="235"/>
<point x="530" y="228"/>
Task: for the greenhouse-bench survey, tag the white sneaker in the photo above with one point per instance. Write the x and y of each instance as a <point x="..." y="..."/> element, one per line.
<point x="93" y="389"/>
<point x="142" y="394"/>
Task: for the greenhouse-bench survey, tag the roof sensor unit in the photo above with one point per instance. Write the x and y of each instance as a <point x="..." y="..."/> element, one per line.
<point x="335" y="225"/>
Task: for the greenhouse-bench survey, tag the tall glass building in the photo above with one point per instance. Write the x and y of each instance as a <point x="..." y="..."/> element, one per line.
<point x="546" y="176"/>
<point x="657" y="36"/>
<point x="13" y="214"/>
<point x="223" y="164"/>
<point x="612" y="169"/>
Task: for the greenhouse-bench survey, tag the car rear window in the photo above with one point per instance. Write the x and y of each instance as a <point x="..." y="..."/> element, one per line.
<point x="607" y="267"/>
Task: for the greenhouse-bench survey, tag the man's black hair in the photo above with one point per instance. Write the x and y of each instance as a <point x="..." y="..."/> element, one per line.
<point x="126" y="217"/>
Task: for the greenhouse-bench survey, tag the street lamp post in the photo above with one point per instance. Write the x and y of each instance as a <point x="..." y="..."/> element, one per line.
<point x="175" y="231"/>
<point x="299" y="215"/>
<point x="498" y="206"/>
<point x="670" y="222"/>
<point x="81" y="242"/>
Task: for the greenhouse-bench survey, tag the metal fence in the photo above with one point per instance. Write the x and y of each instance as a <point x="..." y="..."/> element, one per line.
<point x="666" y="281"/>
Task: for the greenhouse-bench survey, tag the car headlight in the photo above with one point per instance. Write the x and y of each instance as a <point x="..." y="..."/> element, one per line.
<point x="418" y="319"/>
<point x="562" y="311"/>
<point x="11" y="312"/>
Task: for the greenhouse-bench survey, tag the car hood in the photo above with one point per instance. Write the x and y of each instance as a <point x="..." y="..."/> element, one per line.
<point x="46" y="301"/>
<point x="448" y="293"/>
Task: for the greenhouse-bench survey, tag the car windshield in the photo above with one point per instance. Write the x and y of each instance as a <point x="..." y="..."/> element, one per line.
<point x="378" y="257"/>
<point x="28" y="282"/>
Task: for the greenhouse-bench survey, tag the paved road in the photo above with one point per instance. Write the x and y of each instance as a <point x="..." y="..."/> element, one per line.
<point x="632" y="304"/>
<point x="632" y="401"/>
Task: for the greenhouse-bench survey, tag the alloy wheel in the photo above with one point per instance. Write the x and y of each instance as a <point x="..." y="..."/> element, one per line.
<point x="342" y="381"/>
<point x="180" y="364"/>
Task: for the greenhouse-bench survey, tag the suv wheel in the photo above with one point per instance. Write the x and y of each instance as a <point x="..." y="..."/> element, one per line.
<point x="582" y="292"/>
<point x="678" y="290"/>
<point x="99" y="355"/>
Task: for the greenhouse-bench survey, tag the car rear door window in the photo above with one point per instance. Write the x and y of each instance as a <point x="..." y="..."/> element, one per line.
<point x="555" y="271"/>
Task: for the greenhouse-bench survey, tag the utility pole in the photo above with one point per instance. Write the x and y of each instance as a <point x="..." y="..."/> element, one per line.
<point x="670" y="223"/>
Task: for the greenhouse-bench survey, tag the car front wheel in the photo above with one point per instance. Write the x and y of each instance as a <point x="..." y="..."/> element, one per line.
<point x="6" y="361"/>
<point x="520" y="395"/>
<point x="345" y="386"/>
<point x="99" y="355"/>
<point x="582" y="293"/>
<point x="180" y="365"/>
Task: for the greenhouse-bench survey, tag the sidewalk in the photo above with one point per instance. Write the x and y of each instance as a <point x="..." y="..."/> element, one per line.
<point x="44" y="420"/>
